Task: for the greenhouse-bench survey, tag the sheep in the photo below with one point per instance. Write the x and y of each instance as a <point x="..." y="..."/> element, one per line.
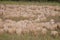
<point x="37" y="31"/>
<point x="2" y="31"/>
<point x="46" y="25"/>
<point x="49" y="26"/>
<point x="1" y="13"/>
<point x="0" y="19"/>
<point x="1" y="24"/>
<point x="24" y="31"/>
<point x="5" y="28"/>
<point x="18" y="31"/>
<point x="44" y="31"/>
<point x="52" y="21"/>
<point x="58" y="26"/>
<point x="9" y="23"/>
<point x="11" y="30"/>
<point x="53" y="27"/>
<point x="54" y="33"/>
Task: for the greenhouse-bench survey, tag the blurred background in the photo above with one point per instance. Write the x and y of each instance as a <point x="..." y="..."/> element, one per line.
<point x="35" y="0"/>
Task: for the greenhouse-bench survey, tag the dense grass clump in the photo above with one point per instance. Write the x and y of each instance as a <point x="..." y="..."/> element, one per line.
<point x="29" y="36"/>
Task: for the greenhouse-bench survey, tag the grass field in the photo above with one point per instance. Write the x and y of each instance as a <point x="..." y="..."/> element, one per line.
<point x="30" y="3"/>
<point x="28" y="37"/>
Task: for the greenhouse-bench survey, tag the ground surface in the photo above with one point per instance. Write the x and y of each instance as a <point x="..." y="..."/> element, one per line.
<point x="29" y="21"/>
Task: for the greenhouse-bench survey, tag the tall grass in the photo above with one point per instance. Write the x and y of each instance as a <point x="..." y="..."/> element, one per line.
<point x="29" y="36"/>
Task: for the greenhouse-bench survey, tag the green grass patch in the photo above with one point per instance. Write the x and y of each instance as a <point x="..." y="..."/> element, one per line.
<point x="30" y="3"/>
<point x="29" y="36"/>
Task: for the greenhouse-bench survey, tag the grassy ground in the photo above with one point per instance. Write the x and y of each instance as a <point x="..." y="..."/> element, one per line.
<point x="28" y="37"/>
<point x="30" y="3"/>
